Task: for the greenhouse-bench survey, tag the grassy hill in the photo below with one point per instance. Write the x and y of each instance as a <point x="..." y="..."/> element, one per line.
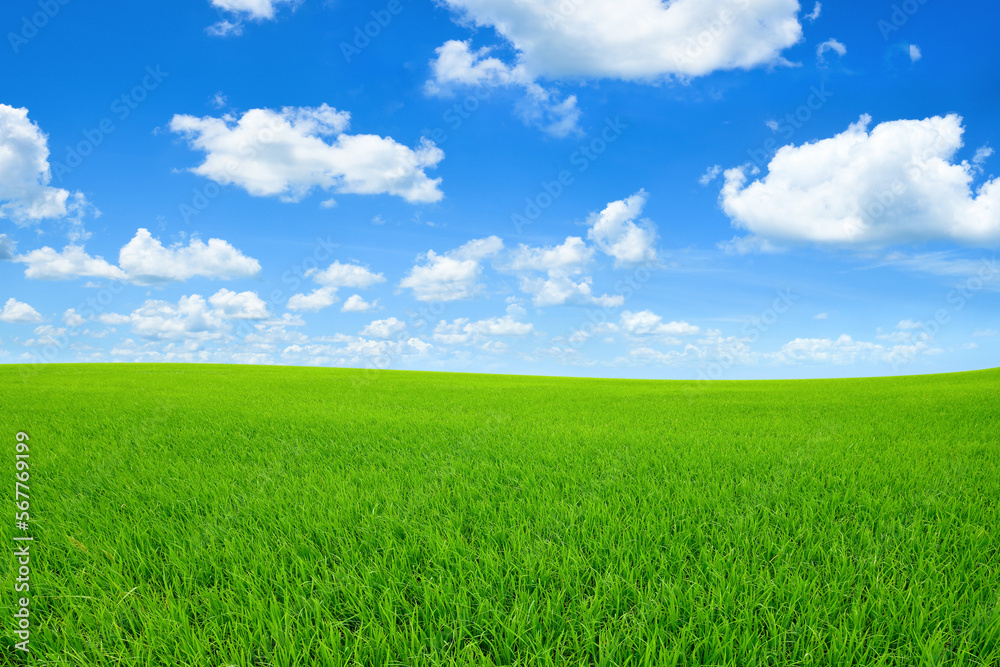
<point x="217" y="515"/>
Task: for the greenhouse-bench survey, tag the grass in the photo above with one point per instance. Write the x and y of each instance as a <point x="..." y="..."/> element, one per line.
<point x="213" y="515"/>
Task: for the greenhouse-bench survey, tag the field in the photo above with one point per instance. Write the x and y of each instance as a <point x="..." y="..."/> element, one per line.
<point x="215" y="515"/>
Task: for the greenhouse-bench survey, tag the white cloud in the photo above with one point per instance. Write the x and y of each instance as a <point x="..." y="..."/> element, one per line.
<point x="895" y="184"/>
<point x="451" y="276"/>
<point x="318" y="299"/>
<point x="355" y="304"/>
<point x="915" y="53"/>
<point x="332" y="278"/>
<point x="558" y="289"/>
<point x="465" y="332"/>
<point x="571" y="256"/>
<point x="983" y="153"/>
<point x="386" y="328"/>
<point x="616" y="232"/>
<point x="241" y="305"/>
<point x="648" y="323"/>
<point x="25" y="194"/>
<point x="346" y="275"/>
<point x="286" y="154"/>
<point x="456" y="65"/>
<point x="73" y="319"/>
<point x="812" y="16"/>
<point x="984" y="333"/>
<point x="242" y="10"/>
<point x="846" y="350"/>
<point x="829" y="45"/>
<point x="73" y="262"/>
<point x="192" y="318"/>
<point x="18" y="312"/>
<point x="562" y="266"/>
<point x="710" y="174"/>
<point x="147" y="261"/>
<point x="821" y="316"/>
<point x="258" y="9"/>
<point x="637" y="39"/>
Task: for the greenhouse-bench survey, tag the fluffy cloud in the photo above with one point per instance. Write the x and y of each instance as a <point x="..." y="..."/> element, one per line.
<point x="915" y="53"/>
<point x="146" y="260"/>
<point x="387" y="328"/>
<point x="73" y="262"/>
<point x="286" y="154"/>
<point x="846" y="350"/>
<point x="562" y="282"/>
<point x="896" y="184"/>
<point x="345" y="275"/>
<point x="557" y="289"/>
<point x="241" y="305"/>
<point x="332" y="278"/>
<point x="18" y="312"/>
<point x="453" y="275"/>
<point x="570" y="257"/>
<point x="465" y="332"/>
<point x="242" y="10"/>
<point x="355" y="304"/>
<point x="192" y="317"/>
<point x="616" y="232"/>
<point x="648" y="323"/>
<point x="456" y="65"/>
<point x="258" y="9"/>
<point x="638" y="39"/>
<point x="25" y="193"/>
<point x="318" y="299"/>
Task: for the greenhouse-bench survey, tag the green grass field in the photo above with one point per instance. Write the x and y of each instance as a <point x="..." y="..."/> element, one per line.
<point x="215" y="515"/>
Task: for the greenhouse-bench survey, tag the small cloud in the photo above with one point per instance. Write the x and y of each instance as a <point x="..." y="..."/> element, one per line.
<point x="772" y="125"/>
<point x="18" y="312"/>
<point x="355" y="304"/>
<point x="915" y="53"/>
<point x="829" y="45"/>
<point x="378" y="220"/>
<point x="984" y="333"/>
<point x="218" y="100"/>
<point x="908" y="324"/>
<point x="328" y="203"/>
<point x="710" y="174"/>
<point x="817" y="8"/>
<point x="982" y="154"/>
<point x="821" y="316"/>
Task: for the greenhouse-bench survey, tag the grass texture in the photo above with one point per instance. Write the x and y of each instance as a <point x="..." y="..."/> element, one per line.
<point x="222" y="515"/>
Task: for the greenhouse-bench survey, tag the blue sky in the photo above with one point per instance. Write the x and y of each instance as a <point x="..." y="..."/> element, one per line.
<point x="712" y="189"/>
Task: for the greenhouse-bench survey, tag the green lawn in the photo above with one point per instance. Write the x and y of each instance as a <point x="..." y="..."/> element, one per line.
<point x="228" y="515"/>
